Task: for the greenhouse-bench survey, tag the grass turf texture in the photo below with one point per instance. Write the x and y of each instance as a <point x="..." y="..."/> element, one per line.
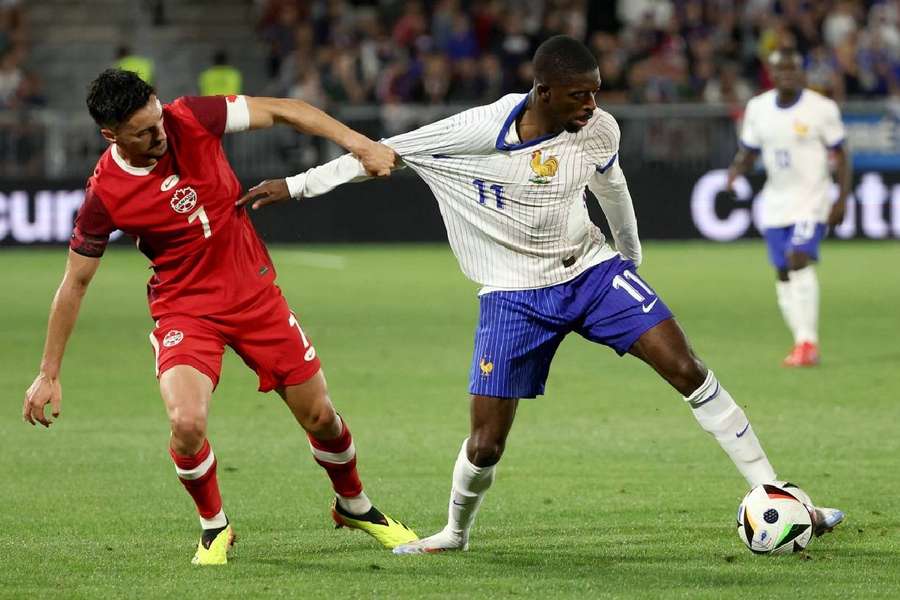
<point x="608" y="487"/>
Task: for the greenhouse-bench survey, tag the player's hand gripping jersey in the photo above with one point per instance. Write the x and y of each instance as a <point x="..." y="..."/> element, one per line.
<point x="204" y="252"/>
<point x="515" y="212"/>
<point x="794" y="142"/>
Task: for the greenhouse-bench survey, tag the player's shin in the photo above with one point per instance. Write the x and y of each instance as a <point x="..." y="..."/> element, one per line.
<point x="718" y="414"/>
<point x="470" y="484"/>
<point x="338" y="457"/>
<point x="785" y="293"/>
<point x="197" y="474"/>
<point x="805" y="287"/>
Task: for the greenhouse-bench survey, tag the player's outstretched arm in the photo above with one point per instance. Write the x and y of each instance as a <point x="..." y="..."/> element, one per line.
<point x="314" y="182"/>
<point x="46" y="388"/>
<point x="611" y="191"/>
<point x="448" y="136"/>
<point x="266" y="112"/>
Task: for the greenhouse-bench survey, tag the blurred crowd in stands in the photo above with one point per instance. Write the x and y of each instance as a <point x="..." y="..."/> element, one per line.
<point x="340" y="52"/>
<point x="19" y="88"/>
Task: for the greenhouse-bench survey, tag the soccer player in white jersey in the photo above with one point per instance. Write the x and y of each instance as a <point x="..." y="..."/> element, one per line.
<point x="795" y="129"/>
<point x="510" y="179"/>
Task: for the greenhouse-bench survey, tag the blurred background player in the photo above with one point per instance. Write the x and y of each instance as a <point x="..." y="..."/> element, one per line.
<point x="795" y="128"/>
<point x="165" y="180"/>
<point x="510" y="179"/>
<point x="128" y="60"/>
<point x="221" y="78"/>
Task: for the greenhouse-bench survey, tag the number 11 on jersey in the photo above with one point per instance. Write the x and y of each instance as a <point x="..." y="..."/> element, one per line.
<point x="200" y="213"/>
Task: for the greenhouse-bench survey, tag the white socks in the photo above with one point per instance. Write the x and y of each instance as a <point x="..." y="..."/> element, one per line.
<point x="717" y="413"/>
<point x="785" y="294"/>
<point x="805" y="292"/>
<point x="798" y="299"/>
<point x="355" y="505"/>
<point x="470" y="484"/>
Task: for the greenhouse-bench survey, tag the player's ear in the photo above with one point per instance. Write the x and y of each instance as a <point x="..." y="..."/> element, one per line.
<point x="108" y="134"/>
<point x="543" y="91"/>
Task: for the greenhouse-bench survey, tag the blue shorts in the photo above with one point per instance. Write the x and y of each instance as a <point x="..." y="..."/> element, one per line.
<point x="800" y="237"/>
<point x="519" y="331"/>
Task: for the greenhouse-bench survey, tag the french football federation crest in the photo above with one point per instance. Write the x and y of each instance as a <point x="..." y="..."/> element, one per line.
<point x="486" y="367"/>
<point x="184" y="200"/>
<point x="801" y="129"/>
<point x="543" y="170"/>
<point x="172" y="338"/>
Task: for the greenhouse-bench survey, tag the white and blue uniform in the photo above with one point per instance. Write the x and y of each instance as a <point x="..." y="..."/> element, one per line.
<point x="518" y="224"/>
<point x="794" y="142"/>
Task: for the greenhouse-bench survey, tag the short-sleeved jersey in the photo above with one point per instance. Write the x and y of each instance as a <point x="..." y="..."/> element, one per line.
<point x="794" y="142"/>
<point x="204" y="252"/>
<point x="515" y="212"/>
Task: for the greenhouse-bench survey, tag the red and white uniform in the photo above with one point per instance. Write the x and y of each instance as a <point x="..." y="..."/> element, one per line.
<point x="213" y="280"/>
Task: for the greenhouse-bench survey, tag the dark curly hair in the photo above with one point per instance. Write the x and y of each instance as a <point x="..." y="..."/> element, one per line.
<point x="561" y="58"/>
<point x="115" y="95"/>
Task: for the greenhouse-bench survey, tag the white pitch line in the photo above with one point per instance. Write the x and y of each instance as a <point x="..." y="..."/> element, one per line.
<point x="318" y="260"/>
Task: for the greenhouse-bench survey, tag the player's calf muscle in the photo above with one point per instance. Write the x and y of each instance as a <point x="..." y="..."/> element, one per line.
<point x="312" y="408"/>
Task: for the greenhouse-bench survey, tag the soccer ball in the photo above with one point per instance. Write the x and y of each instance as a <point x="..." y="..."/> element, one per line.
<point x="774" y="518"/>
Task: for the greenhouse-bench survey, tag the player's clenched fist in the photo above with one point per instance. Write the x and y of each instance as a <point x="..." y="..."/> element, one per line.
<point x="42" y="392"/>
<point x="378" y="159"/>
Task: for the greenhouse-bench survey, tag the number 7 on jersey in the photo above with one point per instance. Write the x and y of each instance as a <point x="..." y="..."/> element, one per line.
<point x="200" y="213"/>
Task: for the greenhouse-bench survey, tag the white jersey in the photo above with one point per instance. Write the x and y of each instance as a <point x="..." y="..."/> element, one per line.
<point x="515" y="213"/>
<point x="794" y="142"/>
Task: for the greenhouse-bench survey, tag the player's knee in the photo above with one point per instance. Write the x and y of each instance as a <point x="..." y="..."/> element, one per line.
<point x="688" y="373"/>
<point x="188" y="431"/>
<point x="319" y="418"/>
<point x="798" y="260"/>
<point x="484" y="450"/>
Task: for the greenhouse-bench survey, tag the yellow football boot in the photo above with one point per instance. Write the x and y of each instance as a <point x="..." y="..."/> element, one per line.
<point x="388" y="532"/>
<point x="217" y="552"/>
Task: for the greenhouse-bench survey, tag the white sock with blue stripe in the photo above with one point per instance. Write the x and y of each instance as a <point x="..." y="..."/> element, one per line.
<point x="718" y="414"/>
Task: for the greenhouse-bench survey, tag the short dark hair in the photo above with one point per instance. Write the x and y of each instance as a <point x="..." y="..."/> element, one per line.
<point x="562" y="57"/>
<point x="115" y="95"/>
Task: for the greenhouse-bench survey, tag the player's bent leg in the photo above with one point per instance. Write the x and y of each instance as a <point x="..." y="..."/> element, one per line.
<point x="332" y="447"/>
<point x="666" y="349"/>
<point x="187" y="393"/>
<point x="473" y="474"/>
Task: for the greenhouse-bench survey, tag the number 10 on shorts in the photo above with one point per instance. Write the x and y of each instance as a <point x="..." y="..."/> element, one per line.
<point x="310" y="349"/>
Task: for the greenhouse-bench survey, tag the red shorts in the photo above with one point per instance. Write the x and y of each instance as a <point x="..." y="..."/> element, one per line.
<point x="265" y="334"/>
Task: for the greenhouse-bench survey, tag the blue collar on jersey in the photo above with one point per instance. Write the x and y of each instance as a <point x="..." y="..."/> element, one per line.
<point x="787" y="106"/>
<point x="510" y="121"/>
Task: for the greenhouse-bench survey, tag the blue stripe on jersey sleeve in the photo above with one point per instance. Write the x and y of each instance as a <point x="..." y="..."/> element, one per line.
<point x="606" y="167"/>
<point x="748" y="146"/>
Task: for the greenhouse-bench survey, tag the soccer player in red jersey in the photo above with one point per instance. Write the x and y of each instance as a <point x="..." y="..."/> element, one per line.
<point x="166" y="181"/>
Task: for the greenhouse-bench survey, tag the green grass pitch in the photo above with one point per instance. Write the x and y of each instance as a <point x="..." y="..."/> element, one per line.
<point x="608" y="487"/>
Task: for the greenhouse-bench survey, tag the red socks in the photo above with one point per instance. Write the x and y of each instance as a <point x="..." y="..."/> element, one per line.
<point x="198" y="475"/>
<point x="338" y="458"/>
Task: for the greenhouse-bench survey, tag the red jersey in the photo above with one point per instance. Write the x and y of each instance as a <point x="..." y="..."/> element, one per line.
<point x="205" y="254"/>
